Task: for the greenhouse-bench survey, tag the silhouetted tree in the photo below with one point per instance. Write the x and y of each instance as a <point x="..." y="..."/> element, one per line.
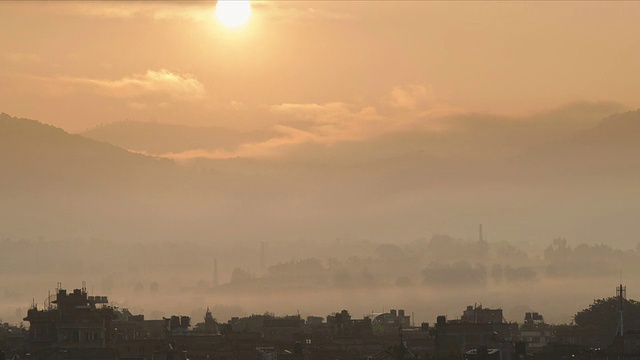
<point x="600" y="319"/>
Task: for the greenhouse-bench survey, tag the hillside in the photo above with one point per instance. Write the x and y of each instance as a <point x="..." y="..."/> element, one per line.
<point x="36" y="153"/>
<point x="608" y="150"/>
<point x="158" y="138"/>
<point x="57" y="183"/>
<point x="386" y="188"/>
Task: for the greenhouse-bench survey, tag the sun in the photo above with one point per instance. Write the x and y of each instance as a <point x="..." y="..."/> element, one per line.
<point x="233" y="13"/>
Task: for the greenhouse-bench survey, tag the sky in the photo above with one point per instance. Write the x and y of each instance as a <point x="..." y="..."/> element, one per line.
<point x="77" y="65"/>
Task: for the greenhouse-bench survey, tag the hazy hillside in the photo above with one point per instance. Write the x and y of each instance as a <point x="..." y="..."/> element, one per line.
<point x="158" y="138"/>
<point x="54" y="183"/>
<point x="394" y="187"/>
<point x="45" y="155"/>
<point x="608" y="151"/>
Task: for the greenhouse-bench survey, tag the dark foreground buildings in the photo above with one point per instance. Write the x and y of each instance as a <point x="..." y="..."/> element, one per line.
<point x="77" y="326"/>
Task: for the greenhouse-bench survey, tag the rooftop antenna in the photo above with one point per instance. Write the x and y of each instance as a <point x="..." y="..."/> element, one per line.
<point x="621" y="293"/>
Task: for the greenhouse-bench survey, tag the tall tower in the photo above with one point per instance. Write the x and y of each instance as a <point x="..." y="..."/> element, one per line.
<point x="481" y="237"/>
<point x="621" y="294"/>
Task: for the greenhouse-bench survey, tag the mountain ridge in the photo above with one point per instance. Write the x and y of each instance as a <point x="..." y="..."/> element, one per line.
<point x="174" y="138"/>
<point x="57" y="183"/>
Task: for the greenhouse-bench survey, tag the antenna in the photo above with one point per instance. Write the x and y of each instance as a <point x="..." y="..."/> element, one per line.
<point x="621" y="294"/>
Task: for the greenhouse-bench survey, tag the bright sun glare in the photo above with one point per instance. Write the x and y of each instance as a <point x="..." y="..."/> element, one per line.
<point x="233" y="13"/>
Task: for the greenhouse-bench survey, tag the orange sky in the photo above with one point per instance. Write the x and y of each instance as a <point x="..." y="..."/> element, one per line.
<point x="75" y="65"/>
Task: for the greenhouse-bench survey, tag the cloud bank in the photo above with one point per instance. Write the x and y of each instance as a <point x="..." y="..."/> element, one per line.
<point x="184" y="87"/>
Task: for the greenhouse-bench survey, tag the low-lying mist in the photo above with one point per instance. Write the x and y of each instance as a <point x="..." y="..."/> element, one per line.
<point x="426" y="277"/>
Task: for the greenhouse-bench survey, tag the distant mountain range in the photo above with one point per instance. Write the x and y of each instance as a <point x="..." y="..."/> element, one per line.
<point x="46" y="155"/>
<point x="582" y="183"/>
<point x="611" y="149"/>
<point x="54" y="183"/>
<point x="159" y="138"/>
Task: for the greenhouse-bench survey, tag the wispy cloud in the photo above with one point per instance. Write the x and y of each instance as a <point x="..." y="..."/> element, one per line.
<point x="162" y="82"/>
<point x="333" y="112"/>
<point x="288" y="138"/>
<point x="192" y="11"/>
<point x="412" y="107"/>
<point x="197" y="11"/>
<point x="292" y="11"/>
<point x="411" y="97"/>
<point x="333" y="122"/>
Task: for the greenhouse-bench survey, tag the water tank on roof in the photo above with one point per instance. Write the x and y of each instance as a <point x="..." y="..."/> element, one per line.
<point x="175" y="322"/>
<point x="185" y="321"/>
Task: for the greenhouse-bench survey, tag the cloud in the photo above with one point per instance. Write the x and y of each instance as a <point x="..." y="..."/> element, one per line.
<point x="191" y="11"/>
<point x="289" y="137"/>
<point x="163" y="82"/>
<point x="378" y="129"/>
<point x="332" y="112"/>
<point x="411" y="97"/>
<point x="335" y="121"/>
<point x="291" y="11"/>
<point x="404" y="108"/>
<point x="325" y="124"/>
